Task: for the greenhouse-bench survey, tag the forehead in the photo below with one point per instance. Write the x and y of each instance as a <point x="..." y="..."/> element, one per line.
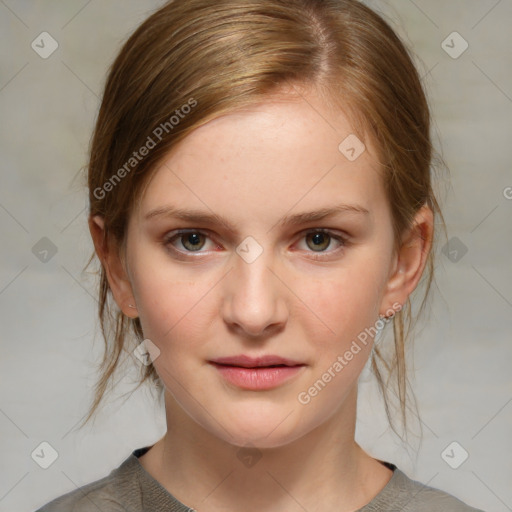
<point x="287" y="150"/>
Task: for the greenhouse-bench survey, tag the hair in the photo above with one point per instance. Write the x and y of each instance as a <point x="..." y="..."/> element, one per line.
<point x="196" y="60"/>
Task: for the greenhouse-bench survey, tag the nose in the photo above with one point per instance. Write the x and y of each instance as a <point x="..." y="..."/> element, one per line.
<point x="254" y="301"/>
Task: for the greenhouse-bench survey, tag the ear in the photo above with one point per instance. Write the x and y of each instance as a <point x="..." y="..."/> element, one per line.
<point x="410" y="260"/>
<point x="110" y="256"/>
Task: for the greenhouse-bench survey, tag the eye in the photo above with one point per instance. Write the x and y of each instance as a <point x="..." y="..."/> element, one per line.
<point x="321" y="239"/>
<point x="191" y="241"/>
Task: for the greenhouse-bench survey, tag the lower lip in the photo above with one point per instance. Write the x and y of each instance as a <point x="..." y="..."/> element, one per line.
<point x="258" y="378"/>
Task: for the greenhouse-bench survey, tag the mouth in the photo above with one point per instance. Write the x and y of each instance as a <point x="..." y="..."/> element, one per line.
<point x="267" y="361"/>
<point x="257" y="374"/>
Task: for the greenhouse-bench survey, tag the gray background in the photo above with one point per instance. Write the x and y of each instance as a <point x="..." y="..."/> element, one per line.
<point x="49" y="337"/>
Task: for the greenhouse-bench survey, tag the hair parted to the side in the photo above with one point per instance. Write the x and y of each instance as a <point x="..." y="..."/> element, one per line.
<point x="223" y="55"/>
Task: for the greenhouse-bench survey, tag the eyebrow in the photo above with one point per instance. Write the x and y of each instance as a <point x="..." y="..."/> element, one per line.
<point x="201" y="217"/>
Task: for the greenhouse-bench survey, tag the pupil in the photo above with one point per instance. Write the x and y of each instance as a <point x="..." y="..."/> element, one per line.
<point x="193" y="237"/>
<point x="192" y="241"/>
<point x="320" y="239"/>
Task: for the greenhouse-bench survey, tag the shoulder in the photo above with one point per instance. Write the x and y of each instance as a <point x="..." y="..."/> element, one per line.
<point x="117" y="492"/>
<point x="413" y="496"/>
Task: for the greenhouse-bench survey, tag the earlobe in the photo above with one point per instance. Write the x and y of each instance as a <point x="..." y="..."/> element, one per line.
<point x="410" y="260"/>
<point x="109" y="254"/>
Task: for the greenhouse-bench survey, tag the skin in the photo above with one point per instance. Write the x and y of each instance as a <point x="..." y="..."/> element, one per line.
<point x="253" y="167"/>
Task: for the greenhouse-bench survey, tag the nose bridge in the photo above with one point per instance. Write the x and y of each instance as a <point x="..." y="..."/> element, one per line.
<point x="253" y="282"/>
<point x="254" y="299"/>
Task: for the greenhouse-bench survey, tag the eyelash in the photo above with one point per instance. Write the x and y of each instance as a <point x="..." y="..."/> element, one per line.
<point x="167" y="242"/>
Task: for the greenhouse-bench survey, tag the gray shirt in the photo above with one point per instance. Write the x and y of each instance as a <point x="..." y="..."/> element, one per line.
<point x="130" y="488"/>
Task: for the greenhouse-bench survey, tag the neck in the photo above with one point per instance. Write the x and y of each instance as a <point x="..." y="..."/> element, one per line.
<point x="209" y="474"/>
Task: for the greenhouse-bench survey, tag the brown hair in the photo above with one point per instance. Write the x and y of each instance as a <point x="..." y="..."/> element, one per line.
<point x="219" y="56"/>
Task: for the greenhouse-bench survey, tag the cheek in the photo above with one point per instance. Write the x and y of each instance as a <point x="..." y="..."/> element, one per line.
<point x="173" y="315"/>
<point x="169" y="308"/>
<point x="341" y="304"/>
<point x="171" y="305"/>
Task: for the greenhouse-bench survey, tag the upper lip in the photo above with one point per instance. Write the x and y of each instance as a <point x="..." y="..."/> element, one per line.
<point x="255" y="362"/>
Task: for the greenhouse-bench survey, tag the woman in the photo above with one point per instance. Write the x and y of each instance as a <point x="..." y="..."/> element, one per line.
<point x="261" y="204"/>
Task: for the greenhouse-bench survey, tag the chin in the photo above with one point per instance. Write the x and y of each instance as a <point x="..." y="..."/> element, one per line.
<point x="260" y="429"/>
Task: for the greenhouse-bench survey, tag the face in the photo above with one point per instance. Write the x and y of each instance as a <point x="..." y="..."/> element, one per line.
<point x="220" y="264"/>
